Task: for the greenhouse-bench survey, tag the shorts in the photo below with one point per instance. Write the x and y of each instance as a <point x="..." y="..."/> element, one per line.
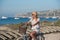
<point x="37" y="29"/>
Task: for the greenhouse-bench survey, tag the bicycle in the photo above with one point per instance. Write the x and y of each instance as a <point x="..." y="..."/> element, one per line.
<point x="26" y="35"/>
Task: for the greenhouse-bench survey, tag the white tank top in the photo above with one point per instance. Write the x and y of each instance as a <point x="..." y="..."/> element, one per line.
<point x="37" y="26"/>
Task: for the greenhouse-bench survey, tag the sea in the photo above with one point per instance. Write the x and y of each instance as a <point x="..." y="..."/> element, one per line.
<point x="11" y="20"/>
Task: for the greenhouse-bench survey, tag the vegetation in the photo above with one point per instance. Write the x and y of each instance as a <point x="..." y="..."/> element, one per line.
<point x="57" y="23"/>
<point x="44" y="23"/>
<point x="14" y="26"/>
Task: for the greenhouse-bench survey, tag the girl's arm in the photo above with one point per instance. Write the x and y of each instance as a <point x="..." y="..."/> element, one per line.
<point x="36" y="23"/>
<point x="28" y="23"/>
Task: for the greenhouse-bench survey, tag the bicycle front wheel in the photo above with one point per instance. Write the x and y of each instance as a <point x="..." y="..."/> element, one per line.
<point x="20" y="38"/>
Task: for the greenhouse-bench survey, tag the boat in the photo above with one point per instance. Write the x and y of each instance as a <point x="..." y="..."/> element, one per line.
<point x="16" y="18"/>
<point x="23" y="16"/>
<point x="29" y="17"/>
<point x="47" y="17"/>
<point x="54" y="17"/>
<point x="3" y="17"/>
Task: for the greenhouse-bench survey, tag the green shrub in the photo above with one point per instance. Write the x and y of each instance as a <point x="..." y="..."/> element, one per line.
<point x="57" y="23"/>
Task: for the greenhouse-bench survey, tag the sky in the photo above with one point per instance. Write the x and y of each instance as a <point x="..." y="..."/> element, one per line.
<point x="12" y="7"/>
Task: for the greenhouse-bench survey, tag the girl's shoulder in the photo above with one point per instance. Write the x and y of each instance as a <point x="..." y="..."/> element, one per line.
<point x="38" y="19"/>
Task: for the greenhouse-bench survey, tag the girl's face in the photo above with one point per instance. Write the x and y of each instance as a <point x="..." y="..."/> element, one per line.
<point x="34" y="14"/>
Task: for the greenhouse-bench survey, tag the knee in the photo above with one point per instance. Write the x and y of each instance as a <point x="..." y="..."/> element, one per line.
<point x="31" y="34"/>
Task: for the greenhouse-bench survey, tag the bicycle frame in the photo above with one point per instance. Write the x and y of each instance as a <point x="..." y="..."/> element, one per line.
<point x="25" y="37"/>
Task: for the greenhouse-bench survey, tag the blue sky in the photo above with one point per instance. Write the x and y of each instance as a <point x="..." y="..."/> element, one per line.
<point x="11" y="7"/>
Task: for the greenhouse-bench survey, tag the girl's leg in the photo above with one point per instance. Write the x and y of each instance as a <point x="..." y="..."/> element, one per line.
<point x="33" y="35"/>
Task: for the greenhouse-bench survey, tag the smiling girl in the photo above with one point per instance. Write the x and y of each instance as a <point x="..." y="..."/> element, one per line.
<point x="35" y="22"/>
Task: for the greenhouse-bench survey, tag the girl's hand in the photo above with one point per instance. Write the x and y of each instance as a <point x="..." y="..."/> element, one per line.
<point x="33" y="25"/>
<point x="26" y="23"/>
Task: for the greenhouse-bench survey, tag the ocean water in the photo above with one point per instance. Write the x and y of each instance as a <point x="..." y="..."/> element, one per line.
<point x="11" y="20"/>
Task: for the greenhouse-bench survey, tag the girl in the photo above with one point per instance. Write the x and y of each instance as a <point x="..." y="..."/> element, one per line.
<point x="35" y="25"/>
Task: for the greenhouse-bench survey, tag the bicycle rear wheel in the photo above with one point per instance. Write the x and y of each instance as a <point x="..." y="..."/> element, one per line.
<point x="40" y="38"/>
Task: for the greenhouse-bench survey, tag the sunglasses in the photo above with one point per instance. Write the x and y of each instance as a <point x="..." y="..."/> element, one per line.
<point x="32" y="14"/>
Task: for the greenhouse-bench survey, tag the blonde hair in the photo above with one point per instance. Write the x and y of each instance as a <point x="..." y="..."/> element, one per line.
<point x="35" y="13"/>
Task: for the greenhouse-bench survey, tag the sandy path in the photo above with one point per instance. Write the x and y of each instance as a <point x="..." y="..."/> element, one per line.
<point x="52" y="36"/>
